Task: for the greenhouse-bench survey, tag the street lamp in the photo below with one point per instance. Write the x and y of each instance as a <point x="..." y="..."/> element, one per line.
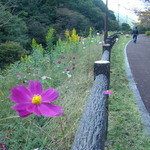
<point x="106" y="22"/>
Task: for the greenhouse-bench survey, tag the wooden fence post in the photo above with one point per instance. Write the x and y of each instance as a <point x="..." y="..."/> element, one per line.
<point x="102" y="67"/>
<point x="106" y="47"/>
<point x="92" y="129"/>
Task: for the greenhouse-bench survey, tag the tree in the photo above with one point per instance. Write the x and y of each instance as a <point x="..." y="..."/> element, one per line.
<point x="40" y="15"/>
<point x="37" y="30"/>
<point x="12" y="28"/>
<point x="69" y="19"/>
<point x="145" y="1"/>
<point x="5" y="15"/>
<point x="144" y="17"/>
<point x="125" y="27"/>
<point x="10" y="52"/>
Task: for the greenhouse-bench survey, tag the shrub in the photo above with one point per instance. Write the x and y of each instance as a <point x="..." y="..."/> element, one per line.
<point x="10" y="52"/>
<point x="147" y="33"/>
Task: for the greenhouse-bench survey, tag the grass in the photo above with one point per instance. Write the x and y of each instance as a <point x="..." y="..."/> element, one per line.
<point x="49" y="133"/>
<point x="125" y="130"/>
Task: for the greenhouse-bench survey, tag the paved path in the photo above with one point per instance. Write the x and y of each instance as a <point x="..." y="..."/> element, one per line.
<point x="139" y="61"/>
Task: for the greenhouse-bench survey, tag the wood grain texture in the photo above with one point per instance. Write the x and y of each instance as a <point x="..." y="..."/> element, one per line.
<point x="102" y="68"/>
<point x="106" y="55"/>
<point x="92" y="130"/>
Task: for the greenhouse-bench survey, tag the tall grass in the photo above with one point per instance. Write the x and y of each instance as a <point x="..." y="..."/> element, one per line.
<point x="73" y="84"/>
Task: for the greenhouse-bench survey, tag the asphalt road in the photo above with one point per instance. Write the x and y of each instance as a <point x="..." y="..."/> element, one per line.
<point x="138" y="55"/>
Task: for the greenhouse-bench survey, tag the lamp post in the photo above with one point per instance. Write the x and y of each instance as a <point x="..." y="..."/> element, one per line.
<point x="106" y="22"/>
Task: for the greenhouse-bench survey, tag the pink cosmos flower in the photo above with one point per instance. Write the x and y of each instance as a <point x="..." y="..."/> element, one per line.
<point x="45" y="77"/>
<point x="59" y="62"/>
<point x="108" y="92"/>
<point x="3" y="146"/>
<point x="6" y="138"/>
<point x="34" y="100"/>
<point x="18" y="76"/>
<point x="73" y="57"/>
<point x="82" y="42"/>
<point x="73" y="64"/>
<point x="62" y="57"/>
<point x="67" y="69"/>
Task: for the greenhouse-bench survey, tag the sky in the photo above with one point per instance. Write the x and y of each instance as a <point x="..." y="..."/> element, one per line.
<point x="125" y="8"/>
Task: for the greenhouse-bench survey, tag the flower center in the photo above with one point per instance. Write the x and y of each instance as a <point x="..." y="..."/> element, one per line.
<point x="36" y="99"/>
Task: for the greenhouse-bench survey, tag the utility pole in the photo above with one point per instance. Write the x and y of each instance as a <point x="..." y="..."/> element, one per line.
<point x="126" y="18"/>
<point x="118" y="13"/>
<point x="106" y="22"/>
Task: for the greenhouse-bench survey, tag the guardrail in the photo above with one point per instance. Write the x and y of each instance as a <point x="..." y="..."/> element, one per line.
<point x="92" y="129"/>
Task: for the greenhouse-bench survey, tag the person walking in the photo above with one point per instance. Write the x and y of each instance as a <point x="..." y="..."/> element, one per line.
<point x="135" y="33"/>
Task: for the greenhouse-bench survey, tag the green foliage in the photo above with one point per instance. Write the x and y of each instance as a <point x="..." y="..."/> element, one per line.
<point x="143" y="29"/>
<point x="112" y="25"/>
<point x="49" y="133"/>
<point x="5" y="15"/>
<point x="10" y="52"/>
<point x="32" y="18"/>
<point x="74" y="36"/>
<point x="144" y="17"/>
<point x="37" y="30"/>
<point x="93" y="13"/>
<point x="36" y="46"/>
<point x="69" y="19"/>
<point x="21" y="20"/>
<point x="50" y="39"/>
<point x="125" y="27"/>
<point x="147" y="33"/>
<point x="12" y="28"/>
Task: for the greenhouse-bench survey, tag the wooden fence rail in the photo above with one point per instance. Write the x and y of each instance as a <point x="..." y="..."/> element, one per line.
<point x="92" y="129"/>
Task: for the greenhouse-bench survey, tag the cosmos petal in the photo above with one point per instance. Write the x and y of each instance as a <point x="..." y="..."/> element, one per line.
<point x="49" y="95"/>
<point x="20" y="106"/>
<point x="23" y="113"/>
<point x="20" y="94"/>
<point x="50" y="110"/>
<point x="33" y="108"/>
<point x="35" y="87"/>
